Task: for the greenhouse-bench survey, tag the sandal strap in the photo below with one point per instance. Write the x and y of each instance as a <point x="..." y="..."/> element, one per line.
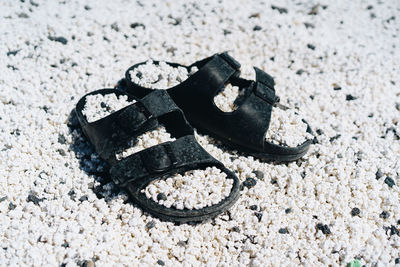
<point x="112" y="133"/>
<point x="181" y="155"/>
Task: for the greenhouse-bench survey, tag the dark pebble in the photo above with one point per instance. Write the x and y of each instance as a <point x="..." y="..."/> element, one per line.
<point x="23" y="15"/>
<point x="253" y="207"/>
<point x="65" y="245"/>
<point x="87" y="7"/>
<point x="2" y="199"/>
<point x="61" y="152"/>
<point x="12" y="67"/>
<point x="389" y="181"/>
<point x="150" y="224"/>
<point x="350" y="97"/>
<point x="384" y="215"/>
<point x="258" y="215"/>
<point x="309" y="25"/>
<point x="397" y="106"/>
<point x="324" y="228"/>
<point x="34" y="199"/>
<point x="369" y="7"/>
<point x="61" y="139"/>
<point x="255" y="15"/>
<point x="393" y="230"/>
<point x="249" y="182"/>
<point x="310" y="46"/>
<point x="274" y="181"/>
<point x="236" y="229"/>
<point x="137" y="24"/>
<point x="283" y="231"/>
<point x="311" y="97"/>
<point x="161" y="196"/>
<point x="319" y="132"/>
<point x="182" y="243"/>
<point x="335" y="137"/>
<point x="314" y="10"/>
<point x="11" y="206"/>
<point x="83" y="198"/>
<point x="299" y="72"/>
<point x="115" y="27"/>
<point x="303" y="174"/>
<point x="397" y="261"/>
<point x="160" y="262"/>
<point x="288" y="210"/>
<point x="398" y="221"/>
<point x="355" y="211"/>
<point x="257" y="28"/>
<point x="337" y="88"/>
<point x="59" y="39"/>
<point x="226" y="32"/>
<point x="378" y="174"/>
<point x="13" y="53"/>
<point x="372" y="15"/>
<point x="259" y="174"/>
<point x="281" y="10"/>
<point x="33" y="3"/>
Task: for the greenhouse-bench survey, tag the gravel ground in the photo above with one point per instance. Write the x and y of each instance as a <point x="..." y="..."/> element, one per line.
<point x="337" y="63"/>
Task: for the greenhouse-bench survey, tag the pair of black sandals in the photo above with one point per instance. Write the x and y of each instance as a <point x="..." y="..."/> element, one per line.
<point x="189" y="102"/>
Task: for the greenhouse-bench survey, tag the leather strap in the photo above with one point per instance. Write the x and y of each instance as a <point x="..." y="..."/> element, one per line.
<point x="166" y="158"/>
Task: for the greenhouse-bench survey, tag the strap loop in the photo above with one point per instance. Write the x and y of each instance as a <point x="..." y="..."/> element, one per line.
<point x="230" y="60"/>
<point x="132" y="118"/>
<point x="159" y="158"/>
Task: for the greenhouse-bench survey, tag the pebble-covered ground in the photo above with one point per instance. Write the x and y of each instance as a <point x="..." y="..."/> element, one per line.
<point x="336" y="62"/>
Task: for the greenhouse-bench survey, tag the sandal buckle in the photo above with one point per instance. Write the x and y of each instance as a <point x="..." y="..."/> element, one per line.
<point x="230" y="60"/>
<point x="134" y="117"/>
<point x="159" y="158"/>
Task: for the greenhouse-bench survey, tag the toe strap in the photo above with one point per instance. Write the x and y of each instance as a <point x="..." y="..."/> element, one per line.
<point x="138" y="170"/>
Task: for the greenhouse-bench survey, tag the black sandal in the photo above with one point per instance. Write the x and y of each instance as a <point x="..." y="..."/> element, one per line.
<point x="243" y="129"/>
<point x="112" y="134"/>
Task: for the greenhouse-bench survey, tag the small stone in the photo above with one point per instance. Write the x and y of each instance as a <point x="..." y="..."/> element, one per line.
<point x="350" y="97"/>
<point x="2" y="199"/>
<point x="288" y="210"/>
<point x="309" y="25"/>
<point x="283" y="231"/>
<point x="253" y="207"/>
<point x="369" y="7"/>
<point x="236" y="229"/>
<point x="34" y="199"/>
<point x="86" y="7"/>
<point x="310" y="46"/>
<point x="281" y="10"/>
<point x="337" y="88"/>
<point x="59" y="39"/>
<point x="389" y="181"/>
<point x="354" y="263"/>
<point x="259" y="174"/>
<point x="384" y="215"/>
<point x="397" y="261"/>
<point x="88" y="264"/>
<point x="11" y="206"/>
<point x="23" y="15"/>
<point x="182" y="243"/>
<point x="61" y="152"/>
<point x="61" y="139"/>
<point x="115" y="27"/>
<point x="65" y="245"/>
<point x="257" y="28"/>
<point x="13" y="53"/>
<point x="137" y="24"/>
<point x="255" y="15"/>
<point x="161" y="196"/>
<point x="83" y="198"/>
<point x="355" y="211"/>
<point x="160" y="262"/>
<point x="324" y="228"/>
<point x="258" y="215"/>
<point x="378" y="174"/>
<point x="394" y="230"/>
<point x="314" y="10"/>
<point x="150" y="224"/>
<point x="299" y="72"/>
<point x="319" y="132"/>
<point x="226" y="32"/>
<point x="249" y="182"/>
<point x="274" y="181"/>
